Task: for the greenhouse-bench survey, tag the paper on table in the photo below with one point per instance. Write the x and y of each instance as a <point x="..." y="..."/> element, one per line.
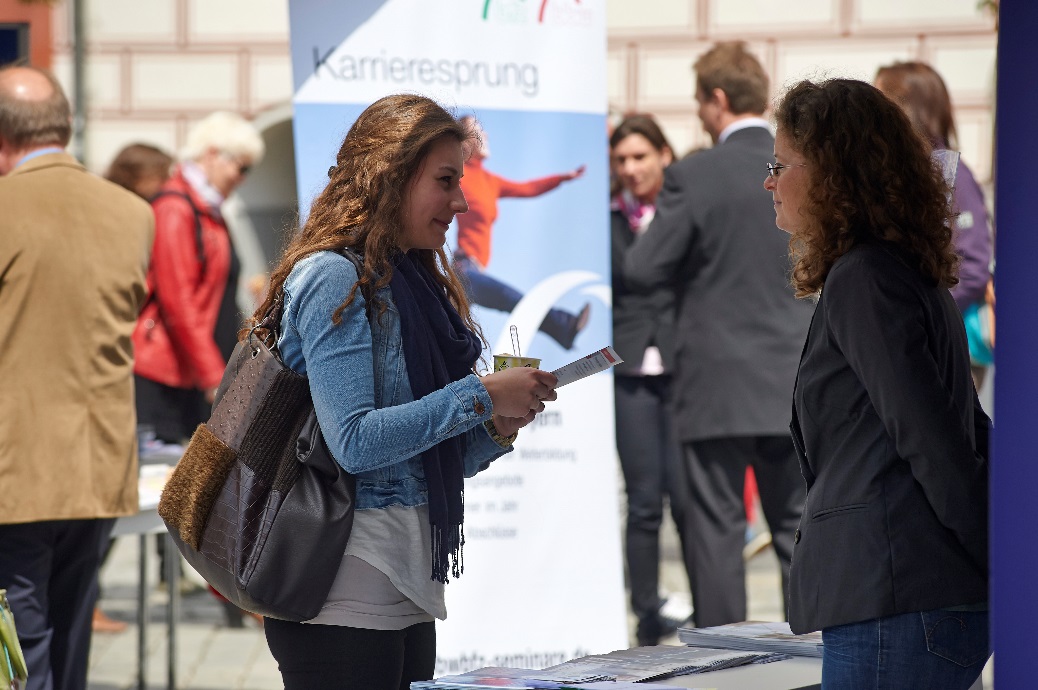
<point x="755" y="636"/>
<point x="586" y="366"/>
<point x="641" y="664"/>
<point x="497" y="677"/>
<point x="150" y="484"/>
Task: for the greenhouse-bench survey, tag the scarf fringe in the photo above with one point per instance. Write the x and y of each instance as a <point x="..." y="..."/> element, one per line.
<point x="448" y="557"/>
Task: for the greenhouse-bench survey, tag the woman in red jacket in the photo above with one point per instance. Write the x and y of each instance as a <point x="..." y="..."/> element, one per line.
<point x="189" y="324"/>
<point x="188" y="327"/>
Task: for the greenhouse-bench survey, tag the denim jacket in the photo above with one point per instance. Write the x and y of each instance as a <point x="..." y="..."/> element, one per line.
<point x="374" y="427"/>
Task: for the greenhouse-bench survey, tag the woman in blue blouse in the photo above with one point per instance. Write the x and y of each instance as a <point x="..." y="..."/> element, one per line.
<point x="390" y="352"/>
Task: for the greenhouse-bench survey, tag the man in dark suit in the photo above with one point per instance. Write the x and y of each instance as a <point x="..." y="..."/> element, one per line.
<point x="739" y="332"/>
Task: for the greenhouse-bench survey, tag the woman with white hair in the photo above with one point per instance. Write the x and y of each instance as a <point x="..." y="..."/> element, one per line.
<point x="188" y="326"/>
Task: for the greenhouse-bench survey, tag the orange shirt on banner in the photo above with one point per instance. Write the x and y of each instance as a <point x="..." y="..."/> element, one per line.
<point x="482" y="190"/>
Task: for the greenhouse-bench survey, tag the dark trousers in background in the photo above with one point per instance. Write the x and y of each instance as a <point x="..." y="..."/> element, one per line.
<point x="50" y="572"/>
<point x="716" y="518"/>
<point x="651" y="462"/>
<point x="331" y="656"/>
<point x="172" y="415"/>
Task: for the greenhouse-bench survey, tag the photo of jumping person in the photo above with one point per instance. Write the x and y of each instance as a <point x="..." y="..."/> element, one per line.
<point x="482" y="189"/>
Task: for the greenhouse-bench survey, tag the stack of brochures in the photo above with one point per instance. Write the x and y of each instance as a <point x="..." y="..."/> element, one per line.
<point x="755" y="637"/>
<point x="654" y="663"/>
<point x="496" y="677"/>
<point x="624" y="669"/>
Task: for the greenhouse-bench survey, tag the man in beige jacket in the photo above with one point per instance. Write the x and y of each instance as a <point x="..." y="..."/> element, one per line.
<point x="74" y="252"/>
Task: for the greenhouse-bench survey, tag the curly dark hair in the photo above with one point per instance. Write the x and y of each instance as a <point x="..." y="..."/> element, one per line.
<point x="871" y="179"/>
<point x="362" y="206"/>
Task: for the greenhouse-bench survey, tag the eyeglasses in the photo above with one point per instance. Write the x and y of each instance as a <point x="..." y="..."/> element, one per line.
<point x="243" y="169"/>
<point x="774" y="169"/>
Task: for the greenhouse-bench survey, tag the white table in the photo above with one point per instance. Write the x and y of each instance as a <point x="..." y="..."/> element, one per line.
<point x="145" y="523"/>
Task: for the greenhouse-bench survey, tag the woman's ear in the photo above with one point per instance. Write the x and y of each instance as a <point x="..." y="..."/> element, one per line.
<point x="667" y="155"/>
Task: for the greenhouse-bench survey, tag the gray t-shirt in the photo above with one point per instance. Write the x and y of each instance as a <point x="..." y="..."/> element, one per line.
<point x="384" y="580"/>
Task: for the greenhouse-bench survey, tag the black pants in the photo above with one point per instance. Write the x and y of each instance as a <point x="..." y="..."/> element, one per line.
<point x="50" y="572"/>
<point x="651" y="462"/>
<point x="716" y="527"/>
<point x="333" y="657"/>
<point x="173" y="413"/>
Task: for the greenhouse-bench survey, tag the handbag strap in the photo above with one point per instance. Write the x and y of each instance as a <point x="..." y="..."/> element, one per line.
<point x="199" y="244"/>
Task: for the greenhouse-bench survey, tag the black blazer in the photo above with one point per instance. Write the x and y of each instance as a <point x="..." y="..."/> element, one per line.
<point x="739" y="328"/>
<point x="639" y="319"/>
<point x="893" y="444"/>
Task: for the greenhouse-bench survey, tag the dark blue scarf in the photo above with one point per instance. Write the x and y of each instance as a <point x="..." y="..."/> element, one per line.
<point x="438" y="349"/>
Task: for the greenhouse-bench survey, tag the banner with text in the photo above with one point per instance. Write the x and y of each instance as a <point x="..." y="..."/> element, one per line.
<point x="543" y="577"/>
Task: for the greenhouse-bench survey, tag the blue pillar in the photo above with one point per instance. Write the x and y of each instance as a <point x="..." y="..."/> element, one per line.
<point x="1014" y="462"/>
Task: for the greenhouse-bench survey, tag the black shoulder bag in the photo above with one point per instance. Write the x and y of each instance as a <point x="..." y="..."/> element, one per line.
<point x="257" y="504"/>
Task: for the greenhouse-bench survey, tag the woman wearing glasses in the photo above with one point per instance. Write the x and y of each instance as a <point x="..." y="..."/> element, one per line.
<point x="190" y="320"/>
<point x="189" y="324"/>
<point x="890" y="561"/>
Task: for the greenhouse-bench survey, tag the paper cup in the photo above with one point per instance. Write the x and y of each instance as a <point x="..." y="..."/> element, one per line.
<point x="502" y="362"/>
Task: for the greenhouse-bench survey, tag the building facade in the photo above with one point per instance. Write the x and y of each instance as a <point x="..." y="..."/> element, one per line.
<point x="153" y="67"/>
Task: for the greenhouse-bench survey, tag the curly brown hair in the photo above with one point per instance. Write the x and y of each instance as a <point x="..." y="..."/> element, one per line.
<point x="871" y="179"/>
<point x="362" y="206"/>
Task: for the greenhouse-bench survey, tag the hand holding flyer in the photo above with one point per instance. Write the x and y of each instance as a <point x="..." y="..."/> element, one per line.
<point x="586" y="366"/>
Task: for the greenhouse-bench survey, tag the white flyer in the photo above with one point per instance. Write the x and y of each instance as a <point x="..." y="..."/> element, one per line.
<point x="586" y="366"/>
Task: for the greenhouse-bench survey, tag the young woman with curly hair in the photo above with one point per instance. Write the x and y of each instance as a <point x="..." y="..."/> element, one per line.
<point x="890" y="561"/>
<point x="389" y="347"/>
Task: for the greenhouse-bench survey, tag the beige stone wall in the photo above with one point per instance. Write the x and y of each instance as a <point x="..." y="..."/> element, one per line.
<point x="652" y="45"/>
<point x="155" y="66"/>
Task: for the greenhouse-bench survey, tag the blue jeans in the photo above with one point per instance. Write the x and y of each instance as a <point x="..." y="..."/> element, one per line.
<point x="933" y="649"/>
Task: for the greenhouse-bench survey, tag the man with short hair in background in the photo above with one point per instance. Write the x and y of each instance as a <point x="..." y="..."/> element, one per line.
<point x="73" y="257"/>
<point x="739" y="332"/>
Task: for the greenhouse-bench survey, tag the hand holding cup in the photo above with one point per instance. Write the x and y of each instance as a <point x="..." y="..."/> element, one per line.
<point x="518" y="391"/>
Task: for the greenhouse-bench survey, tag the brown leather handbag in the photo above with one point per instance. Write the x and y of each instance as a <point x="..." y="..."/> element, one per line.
<point x="257" y="504"/>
